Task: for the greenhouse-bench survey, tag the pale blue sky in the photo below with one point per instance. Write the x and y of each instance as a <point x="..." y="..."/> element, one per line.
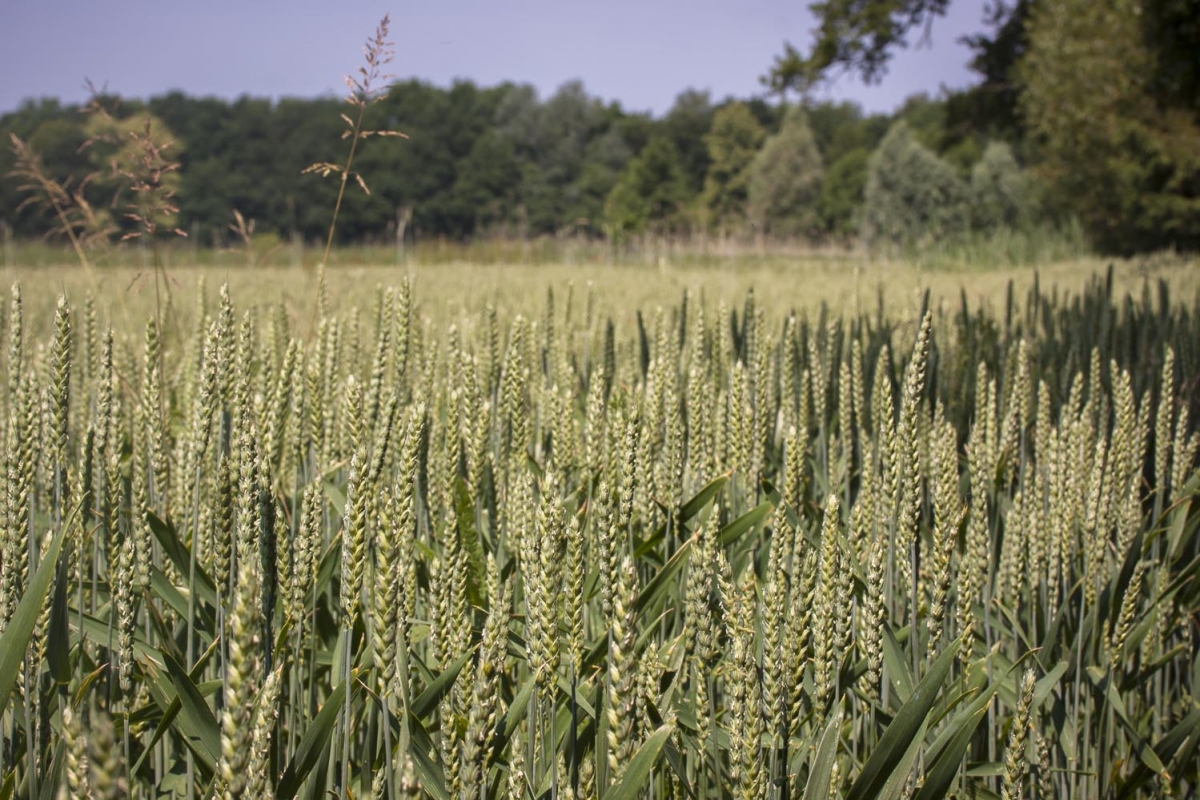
<point x="640" y="52"/>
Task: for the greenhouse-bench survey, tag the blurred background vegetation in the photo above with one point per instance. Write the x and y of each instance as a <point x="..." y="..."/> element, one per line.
<point x="1084" y="127"/>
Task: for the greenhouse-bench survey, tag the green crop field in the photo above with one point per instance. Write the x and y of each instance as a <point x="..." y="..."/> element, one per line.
<point x="815" y="530"/>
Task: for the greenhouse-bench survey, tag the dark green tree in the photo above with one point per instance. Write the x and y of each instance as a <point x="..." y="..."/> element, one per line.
<point x="733" y="142"/>
<point x="686" y="123"/>
<point x="785" y="180"/>
<point x="855" y="35"/>
<point x="1001" y="193"/>
<point x="1115" y="120"/>
<point x="842" y="193"/>
<point x="650" y="193"/>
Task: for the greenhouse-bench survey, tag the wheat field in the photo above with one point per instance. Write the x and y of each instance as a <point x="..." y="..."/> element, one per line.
<point x="644" y="533"/>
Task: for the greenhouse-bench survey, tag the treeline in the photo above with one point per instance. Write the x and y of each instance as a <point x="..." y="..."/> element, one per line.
<point x="501" y="161"/>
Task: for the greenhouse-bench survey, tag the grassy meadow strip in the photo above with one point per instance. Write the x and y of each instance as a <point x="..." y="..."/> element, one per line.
<point x="575" y="547"/>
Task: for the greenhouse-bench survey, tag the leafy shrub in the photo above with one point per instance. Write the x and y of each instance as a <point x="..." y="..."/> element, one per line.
<point x="785" y="179"/>
<point x="649" y="192"/>
<point x="1000" y="192"/>
<point x="733" y="141"/>
<point x="911" y="195"/>
<point x="842" y="192"/>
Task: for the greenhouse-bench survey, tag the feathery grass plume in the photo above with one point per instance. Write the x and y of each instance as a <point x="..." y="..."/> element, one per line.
<point x="76" y="219"/>
<point x="620" y="709"/>
<point x="365" y="90"/>
<point x="1016" y="760"/>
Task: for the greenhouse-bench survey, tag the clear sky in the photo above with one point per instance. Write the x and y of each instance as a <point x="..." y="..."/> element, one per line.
<point x="639" y="52"/>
